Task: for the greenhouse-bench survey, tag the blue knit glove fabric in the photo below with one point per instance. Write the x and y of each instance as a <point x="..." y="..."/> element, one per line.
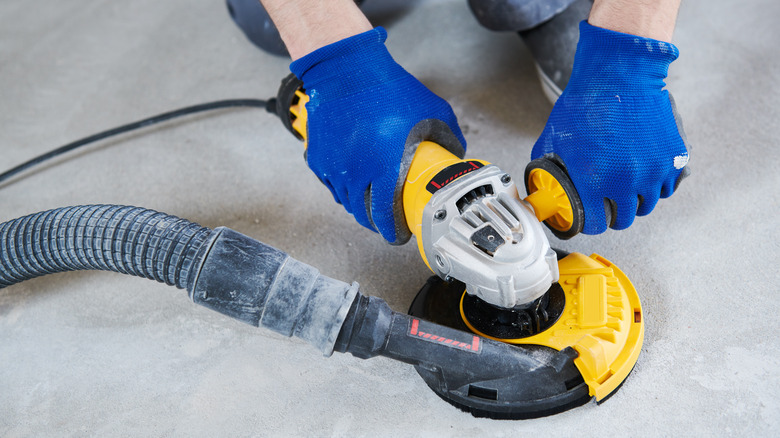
<point x="616" y="129"/>
<point x="366" y="116"/>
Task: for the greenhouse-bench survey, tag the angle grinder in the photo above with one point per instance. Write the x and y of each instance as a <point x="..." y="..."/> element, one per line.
<point x="497" y="276"/>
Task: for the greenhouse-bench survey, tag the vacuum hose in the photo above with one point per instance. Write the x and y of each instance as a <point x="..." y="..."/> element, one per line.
<point x="129" y="240"/>
<point x="250" y="281"/>
<point x="221" y="269"/>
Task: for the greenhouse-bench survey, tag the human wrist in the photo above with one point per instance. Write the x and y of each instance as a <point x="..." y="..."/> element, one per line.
<point x="349" y="65"/>
<point x="654" y="19"/>
<point x="307" y="26"/>
<point x="619" y="62"/>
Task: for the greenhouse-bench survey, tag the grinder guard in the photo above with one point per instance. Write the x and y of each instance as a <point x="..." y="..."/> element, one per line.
<point x="600" y="326"/>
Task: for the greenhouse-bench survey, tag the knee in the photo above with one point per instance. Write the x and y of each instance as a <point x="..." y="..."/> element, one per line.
<point x="515" y="15"/>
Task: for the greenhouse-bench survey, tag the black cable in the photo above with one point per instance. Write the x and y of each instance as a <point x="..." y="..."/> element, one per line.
<point x="268" y="105"/>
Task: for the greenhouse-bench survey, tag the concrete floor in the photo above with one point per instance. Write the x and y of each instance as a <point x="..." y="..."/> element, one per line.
<point x="94" y="353"/>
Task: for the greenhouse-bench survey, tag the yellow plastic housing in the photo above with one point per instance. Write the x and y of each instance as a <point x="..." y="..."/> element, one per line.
<point x="549" y="200"/>
<point x="602" y="321"/>
<point x="298" y="110"/>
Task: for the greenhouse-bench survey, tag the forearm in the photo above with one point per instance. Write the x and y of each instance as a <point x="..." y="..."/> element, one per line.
<point x="646" y="18"/>
<point x="308" y="25"/>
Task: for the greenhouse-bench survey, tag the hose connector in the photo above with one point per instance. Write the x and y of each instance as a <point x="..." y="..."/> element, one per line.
<point x="255" y="283"/>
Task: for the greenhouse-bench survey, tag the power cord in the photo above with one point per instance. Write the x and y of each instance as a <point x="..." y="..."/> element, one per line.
<point x="268" y="105"/>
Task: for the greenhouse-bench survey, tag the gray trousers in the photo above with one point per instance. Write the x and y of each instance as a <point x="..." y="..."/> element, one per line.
<point x="500" y="15"/>
<point x="515" y="15"/>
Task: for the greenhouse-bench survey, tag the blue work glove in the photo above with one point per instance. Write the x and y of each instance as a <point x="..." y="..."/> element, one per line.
<point x="616" y="129"/>
<point x="366" y="117"/>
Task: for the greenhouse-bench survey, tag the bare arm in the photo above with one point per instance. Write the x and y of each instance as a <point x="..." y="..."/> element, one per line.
<point x="308" y="25"/>
<point x="647" y="18"/>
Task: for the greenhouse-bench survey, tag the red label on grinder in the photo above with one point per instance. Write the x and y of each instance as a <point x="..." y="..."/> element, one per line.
<point x="450" y="174"/>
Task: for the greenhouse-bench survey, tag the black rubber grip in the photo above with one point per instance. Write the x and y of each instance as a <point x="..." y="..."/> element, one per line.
<point x="129" y="240"/>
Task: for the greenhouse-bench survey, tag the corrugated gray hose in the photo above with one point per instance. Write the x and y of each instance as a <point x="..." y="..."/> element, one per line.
<point x="221" y="269"/>
<point x="129" y="240"/>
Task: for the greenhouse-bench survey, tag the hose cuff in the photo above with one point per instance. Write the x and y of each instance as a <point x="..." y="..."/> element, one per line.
<point x="260" y="285"/>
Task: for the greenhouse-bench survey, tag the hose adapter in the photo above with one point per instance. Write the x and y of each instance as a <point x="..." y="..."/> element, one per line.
<point x="248" y="280"/>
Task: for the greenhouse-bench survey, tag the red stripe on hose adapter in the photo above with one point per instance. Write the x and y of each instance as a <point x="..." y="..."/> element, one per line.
<point x="423" y="330"/>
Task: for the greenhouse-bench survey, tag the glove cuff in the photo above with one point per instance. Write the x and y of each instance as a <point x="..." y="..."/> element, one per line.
<point x="348" y="66"/>
<point x="616" y="62"/>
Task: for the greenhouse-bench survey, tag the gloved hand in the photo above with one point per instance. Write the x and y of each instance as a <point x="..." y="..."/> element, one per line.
<point x="366" y="117"/>
<point x="615" y="128"/>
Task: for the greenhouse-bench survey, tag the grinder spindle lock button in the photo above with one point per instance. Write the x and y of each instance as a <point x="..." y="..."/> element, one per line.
<point x="487" y="239"/>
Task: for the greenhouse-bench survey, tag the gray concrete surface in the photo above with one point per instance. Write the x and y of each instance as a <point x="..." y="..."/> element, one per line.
<point x="102" y="354"/>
